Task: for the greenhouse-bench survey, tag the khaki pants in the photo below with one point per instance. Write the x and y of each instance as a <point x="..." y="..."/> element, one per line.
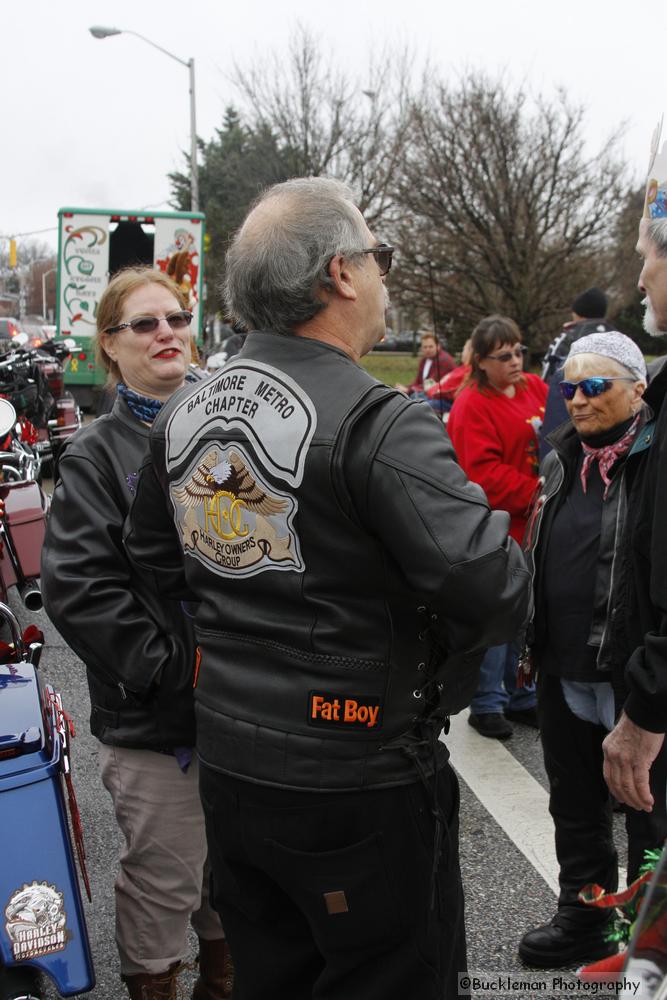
<point x="161" y="884"/>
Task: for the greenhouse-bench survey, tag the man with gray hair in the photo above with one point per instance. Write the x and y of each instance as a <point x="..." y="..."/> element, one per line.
<point x="633" y="746"/>
<point x="349" y="578"/>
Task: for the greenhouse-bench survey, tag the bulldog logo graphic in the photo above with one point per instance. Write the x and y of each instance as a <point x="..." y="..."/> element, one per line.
<point x="35" y="921"/>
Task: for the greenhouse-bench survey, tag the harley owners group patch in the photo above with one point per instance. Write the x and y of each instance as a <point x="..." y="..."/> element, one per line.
<point x="36" y="921"/>
<point x="231" y="520"/>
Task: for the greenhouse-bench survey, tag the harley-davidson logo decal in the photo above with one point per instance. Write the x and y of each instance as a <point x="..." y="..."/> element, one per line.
<point x="35" y="921"/>
<point x="231" y="520"/>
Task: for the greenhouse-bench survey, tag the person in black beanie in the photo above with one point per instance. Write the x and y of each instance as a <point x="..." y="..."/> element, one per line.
<point x="588" y="312"/>
<point x="591" y="304"/>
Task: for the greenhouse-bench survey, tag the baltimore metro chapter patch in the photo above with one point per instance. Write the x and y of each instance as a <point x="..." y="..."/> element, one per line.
<point x="265" y="405"/>
<point x="230" y="519"/>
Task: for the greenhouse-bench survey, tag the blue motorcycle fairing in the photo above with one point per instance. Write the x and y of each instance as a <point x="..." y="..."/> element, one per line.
<point x="42" y="922"/>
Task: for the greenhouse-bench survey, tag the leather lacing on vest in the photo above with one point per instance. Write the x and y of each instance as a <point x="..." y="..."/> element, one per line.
<point x="421" y="742"/>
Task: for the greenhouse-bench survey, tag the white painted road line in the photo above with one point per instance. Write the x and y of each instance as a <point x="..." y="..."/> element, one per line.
<point x="517" y="802"/>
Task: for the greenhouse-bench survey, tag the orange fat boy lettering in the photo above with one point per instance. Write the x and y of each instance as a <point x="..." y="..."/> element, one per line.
<point x="344" y="711"/>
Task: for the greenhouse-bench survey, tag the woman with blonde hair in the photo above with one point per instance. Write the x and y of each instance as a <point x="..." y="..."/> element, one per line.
<point x="138" y="648"/>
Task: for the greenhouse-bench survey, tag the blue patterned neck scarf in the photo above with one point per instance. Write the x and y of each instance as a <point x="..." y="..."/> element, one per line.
<point x="143" y="407"/>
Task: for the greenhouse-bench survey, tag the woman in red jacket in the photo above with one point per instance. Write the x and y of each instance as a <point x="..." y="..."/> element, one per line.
<point x="494" y="426"/>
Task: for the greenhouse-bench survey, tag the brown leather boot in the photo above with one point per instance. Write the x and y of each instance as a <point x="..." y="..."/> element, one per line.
<point x="160" y="986"/>
<point x="216" y="971"/>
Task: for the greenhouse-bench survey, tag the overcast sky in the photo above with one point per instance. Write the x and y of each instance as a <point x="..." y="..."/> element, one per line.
<point x="97" y="123"/>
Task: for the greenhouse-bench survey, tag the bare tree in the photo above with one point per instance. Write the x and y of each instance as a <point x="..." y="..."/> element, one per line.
<point x="502" y="209"/>
<point x="324" y="122"/>
<point x="623" y="263"/>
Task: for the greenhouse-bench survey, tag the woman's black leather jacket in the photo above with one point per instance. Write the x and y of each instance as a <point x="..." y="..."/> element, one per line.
<point x="557" y="475"/>
<point x="138" y="647"/>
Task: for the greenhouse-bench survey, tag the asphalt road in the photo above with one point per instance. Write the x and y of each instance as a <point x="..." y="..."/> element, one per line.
<point x="505" y="892"/>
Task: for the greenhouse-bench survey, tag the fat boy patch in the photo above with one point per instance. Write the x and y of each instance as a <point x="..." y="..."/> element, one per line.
<point x="230" y="519"/>
<point x="36" y="921"/>
<point x="359" y="711"/>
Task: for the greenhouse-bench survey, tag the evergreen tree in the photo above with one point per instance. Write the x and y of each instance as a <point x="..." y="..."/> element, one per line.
<point x="235" y="166"/>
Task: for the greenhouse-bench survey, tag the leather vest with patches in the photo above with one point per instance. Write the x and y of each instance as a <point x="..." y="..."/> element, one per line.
<point x="312" y="648"/>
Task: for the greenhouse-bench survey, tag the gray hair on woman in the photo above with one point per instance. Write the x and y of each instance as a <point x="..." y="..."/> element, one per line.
<point x="277" y="264"/>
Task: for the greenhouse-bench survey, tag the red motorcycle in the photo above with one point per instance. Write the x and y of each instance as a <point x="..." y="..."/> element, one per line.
<point x="32" y="379"/>
<point x="23" y="519"/>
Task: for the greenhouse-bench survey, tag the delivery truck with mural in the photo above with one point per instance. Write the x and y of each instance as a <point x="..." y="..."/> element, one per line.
<point x="94" y="243"/>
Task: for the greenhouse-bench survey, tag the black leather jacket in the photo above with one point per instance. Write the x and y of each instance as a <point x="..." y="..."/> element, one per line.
<point x="642" y="606"/>
<point x="349" y="575"/>
<point x="557" y="475"/>
<point x="138" y="647"/>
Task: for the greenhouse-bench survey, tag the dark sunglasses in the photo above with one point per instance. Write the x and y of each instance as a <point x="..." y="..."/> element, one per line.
<point x="383" y="254"/>
<point x="592" y="386"/>
<point x="148" y="324"/>
<point x="518" y="352"/>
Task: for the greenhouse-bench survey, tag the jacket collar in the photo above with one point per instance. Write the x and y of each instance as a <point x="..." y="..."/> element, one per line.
<point x="644" y="438"/>
<point x="567" y="443"/>
<point x="122" y="412"/>
<point x="657" y="387"/>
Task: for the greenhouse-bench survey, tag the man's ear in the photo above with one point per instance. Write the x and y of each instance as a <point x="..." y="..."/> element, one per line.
<point x="343" y="274"/>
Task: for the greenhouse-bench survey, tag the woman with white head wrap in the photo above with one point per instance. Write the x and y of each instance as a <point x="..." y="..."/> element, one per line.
<point x="572" y="543"/>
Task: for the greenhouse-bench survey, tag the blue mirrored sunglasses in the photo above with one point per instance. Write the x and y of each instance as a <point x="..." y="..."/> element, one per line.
<point x="592" y="386"/>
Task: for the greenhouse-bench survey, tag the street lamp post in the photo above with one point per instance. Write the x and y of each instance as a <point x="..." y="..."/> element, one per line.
<point x="430" y="282"/>
<point x="98" y="31"/>
<point x="52" y="270"/>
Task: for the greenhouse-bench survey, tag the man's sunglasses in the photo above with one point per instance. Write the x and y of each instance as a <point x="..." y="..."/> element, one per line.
<point x="592" y="386"/>
<point x="149" y="324"/>
<point x="518" y="352"/>
<point x="383" y="254"/>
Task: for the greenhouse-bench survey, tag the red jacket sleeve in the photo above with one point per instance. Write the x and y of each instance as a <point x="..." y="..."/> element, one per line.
<point x="449" y="383"/>
<point x="479" y="449"/>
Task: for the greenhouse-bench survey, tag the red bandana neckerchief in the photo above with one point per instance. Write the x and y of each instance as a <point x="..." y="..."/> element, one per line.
<point x="606" y="456"/>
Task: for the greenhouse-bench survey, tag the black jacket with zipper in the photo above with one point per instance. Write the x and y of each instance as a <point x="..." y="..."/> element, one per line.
<point x="641" y="607"/>
<point x="620" y="607"/>
<point x="138" y="647"/>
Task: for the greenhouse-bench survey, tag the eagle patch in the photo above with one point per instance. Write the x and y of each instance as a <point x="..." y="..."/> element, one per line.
<point x="230" y="519"/>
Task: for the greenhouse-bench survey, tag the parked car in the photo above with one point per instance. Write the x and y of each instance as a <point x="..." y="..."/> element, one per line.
<point x="407" y="341"/>
<point x="9" y="327"/>
<point x="39" y="333"/>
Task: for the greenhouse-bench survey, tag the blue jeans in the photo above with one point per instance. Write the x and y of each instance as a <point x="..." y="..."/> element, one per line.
<point x="497" y="688"/>
<point x="438" y="403"/>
